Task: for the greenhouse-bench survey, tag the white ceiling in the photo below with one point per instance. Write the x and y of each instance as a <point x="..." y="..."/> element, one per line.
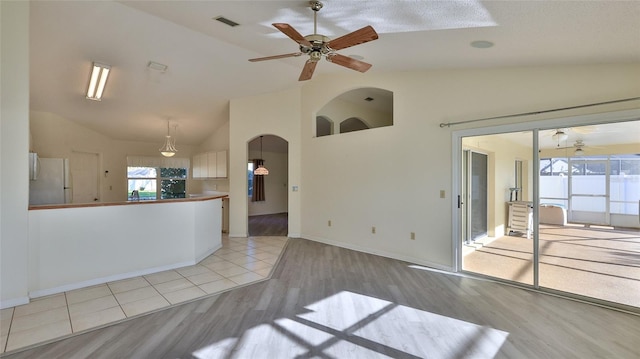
<point x="207" y="61"/>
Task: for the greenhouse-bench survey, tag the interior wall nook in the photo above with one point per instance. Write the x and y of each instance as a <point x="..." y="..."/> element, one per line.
<point x="356" y="110"/>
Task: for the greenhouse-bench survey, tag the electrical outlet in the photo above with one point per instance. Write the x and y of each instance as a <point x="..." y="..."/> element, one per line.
<point x="373" y="230"/>
<point x="413" y="235"/>
<point x="441" y="193"/>
<point x="329" y="223"/>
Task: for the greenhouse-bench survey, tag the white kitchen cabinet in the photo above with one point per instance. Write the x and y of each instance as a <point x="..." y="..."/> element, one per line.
<point x="210" y="165"/>
<point x="221" y="165"/>
<point x="199" y="165"/>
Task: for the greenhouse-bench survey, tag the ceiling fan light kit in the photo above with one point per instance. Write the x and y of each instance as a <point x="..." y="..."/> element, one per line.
<point x="318" y="46"/>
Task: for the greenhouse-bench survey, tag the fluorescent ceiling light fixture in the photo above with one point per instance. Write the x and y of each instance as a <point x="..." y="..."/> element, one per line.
<point x="98" y="80"/>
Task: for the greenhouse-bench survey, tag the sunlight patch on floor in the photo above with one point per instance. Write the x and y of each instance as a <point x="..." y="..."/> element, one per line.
<point x="353" y="325"/>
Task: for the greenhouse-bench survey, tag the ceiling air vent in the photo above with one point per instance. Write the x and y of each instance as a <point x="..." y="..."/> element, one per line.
<point x="226" y="21"/>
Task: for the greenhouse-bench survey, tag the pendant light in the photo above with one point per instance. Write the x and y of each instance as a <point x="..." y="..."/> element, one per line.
<point x="169" y="148"/>
<point x="261" y="170"/>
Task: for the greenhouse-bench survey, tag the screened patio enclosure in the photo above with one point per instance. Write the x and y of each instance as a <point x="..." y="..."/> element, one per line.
<point x="598" y="190"/>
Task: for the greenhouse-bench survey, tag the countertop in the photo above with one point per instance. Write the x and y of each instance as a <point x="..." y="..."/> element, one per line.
<point x="202" y="197"/>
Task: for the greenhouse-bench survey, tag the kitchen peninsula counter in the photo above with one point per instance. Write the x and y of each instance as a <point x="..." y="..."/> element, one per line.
<point x="78" y="245"/>
<point x="126" y="203"/>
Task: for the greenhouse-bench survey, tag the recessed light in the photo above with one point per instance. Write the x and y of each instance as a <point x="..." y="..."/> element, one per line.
<point x="482" y="44"/>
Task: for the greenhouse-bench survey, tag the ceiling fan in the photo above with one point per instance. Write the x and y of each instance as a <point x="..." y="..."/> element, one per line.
<point x="317" y="46"/>
<point x="578" y="145"/>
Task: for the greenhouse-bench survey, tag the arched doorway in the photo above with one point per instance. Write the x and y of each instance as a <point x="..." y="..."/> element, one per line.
<point x="267" y="195"/>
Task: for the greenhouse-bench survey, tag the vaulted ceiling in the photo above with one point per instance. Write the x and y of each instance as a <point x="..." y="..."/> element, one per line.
<point x="207" y="60"/>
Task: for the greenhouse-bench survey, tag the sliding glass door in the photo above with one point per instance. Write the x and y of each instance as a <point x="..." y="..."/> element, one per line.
<point x="586" y="240"/>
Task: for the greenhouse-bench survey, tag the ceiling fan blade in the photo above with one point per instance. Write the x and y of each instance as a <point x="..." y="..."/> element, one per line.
<point x="307" y="70"/>
<point x="349" y="62"/>
<point x="293" y="54"/>
<point x="292" y="33"/>
<point x="357" y="37"/>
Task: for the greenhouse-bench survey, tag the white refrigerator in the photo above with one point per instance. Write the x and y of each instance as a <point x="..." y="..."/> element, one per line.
<point x="50" y="181"/>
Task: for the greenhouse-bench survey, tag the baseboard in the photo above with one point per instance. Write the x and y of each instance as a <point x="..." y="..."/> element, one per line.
<point x="293" y="235"/>
<point x="14" y="302"/>
<point x="397" y="256"/>
<point x="238" y="235"/>
<point x="102" y="280"/>
<point x="207" y="253"/>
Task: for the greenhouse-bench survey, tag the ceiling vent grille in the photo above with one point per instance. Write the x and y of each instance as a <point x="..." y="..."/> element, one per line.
<point x="226" y="21"/>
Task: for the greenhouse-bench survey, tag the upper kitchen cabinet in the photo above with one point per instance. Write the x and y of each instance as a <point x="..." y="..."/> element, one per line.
<point x="221" y="164"/>
<point x="210" y="165"/>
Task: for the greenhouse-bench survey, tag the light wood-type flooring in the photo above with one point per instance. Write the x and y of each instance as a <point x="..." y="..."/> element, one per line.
<point x="597" y="263"/>
<point x="328" y="302"/>
<point x="269" y="225"/>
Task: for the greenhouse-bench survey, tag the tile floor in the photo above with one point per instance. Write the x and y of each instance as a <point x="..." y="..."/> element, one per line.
<point x="239" y="261"/>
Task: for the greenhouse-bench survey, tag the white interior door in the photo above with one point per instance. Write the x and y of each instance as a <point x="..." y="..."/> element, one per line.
<point x="84" y="177"/>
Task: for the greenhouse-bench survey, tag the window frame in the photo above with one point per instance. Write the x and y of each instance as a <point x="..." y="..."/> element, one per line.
<point x="158" y="183"/>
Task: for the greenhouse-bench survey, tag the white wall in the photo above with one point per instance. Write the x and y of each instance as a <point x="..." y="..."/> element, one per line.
<point x="275" y="185"/>
<point x="270" y="114"/>
<point x="14" y="148"/>
<point x="390" y="177"/>
<point x="55" y="136"/>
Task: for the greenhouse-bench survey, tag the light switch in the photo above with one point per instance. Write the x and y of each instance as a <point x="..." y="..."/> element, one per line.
<point x="294" y="188"/>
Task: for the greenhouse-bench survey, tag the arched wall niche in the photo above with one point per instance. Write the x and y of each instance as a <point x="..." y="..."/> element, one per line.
<point x="355" y="110"/>
<point x="324" y="126"/>
<point x="353" y="124"/>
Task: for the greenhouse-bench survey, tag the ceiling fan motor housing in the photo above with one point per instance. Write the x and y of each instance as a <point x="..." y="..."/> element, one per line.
<point x="315" y="5"/>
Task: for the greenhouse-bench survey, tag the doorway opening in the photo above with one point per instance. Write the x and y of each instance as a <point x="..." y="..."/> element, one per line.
<point x="267" y="195"/>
